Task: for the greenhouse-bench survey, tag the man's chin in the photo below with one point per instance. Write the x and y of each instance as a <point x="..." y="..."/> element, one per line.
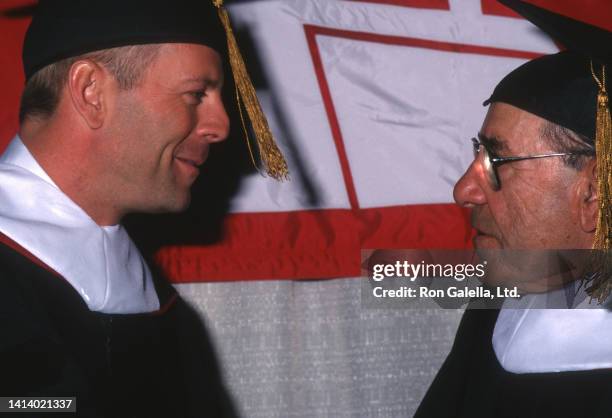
<point x="179" y="203"/>
<point x="182" y="204"/>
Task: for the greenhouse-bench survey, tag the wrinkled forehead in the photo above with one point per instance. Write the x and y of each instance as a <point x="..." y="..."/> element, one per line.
<point x="507" y="128"/>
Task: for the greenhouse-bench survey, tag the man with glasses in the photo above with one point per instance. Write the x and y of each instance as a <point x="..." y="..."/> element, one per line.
<point x="491" y="160"/>
<point x="540" y="180"/>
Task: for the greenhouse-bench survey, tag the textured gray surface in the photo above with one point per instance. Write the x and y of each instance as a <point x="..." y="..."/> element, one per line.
<point x="308" y="348"/>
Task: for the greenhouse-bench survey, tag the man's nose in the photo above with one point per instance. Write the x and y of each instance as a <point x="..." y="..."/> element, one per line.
<point x="213" y="124"/>
<point x="469" y="190"/>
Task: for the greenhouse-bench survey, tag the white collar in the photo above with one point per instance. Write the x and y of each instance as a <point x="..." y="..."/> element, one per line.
<point x="101" y="263"/>
<point x="527" y="339"/>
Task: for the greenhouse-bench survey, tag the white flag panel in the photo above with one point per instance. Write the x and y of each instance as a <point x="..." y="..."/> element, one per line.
<point x="405" y="112"/>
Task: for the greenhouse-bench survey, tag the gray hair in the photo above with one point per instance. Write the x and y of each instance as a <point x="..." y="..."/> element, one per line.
<point x="562" y="139"/>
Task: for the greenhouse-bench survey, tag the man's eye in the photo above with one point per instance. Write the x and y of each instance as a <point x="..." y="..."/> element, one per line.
<point x="198" y="95"/>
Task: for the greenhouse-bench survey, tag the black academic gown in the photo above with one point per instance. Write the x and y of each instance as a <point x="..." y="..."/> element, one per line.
<point x="159" y="364"/>
<point x="472" y="383"/>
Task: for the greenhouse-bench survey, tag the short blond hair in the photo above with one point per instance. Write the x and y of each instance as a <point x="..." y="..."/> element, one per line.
<point x="42" y="92"/>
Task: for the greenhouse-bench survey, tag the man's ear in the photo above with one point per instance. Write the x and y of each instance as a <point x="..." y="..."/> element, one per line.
<point x="86" y="83"/>
<point x="589" y="194"/>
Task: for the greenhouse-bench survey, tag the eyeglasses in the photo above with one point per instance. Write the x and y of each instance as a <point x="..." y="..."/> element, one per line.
<point x="491" y="161"/>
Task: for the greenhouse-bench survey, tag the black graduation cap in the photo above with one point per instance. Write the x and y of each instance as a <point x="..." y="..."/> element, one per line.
<point x="569" y="89"/>
<point x="68" y="28"/>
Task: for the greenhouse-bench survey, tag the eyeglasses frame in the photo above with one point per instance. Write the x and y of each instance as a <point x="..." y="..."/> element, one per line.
<point x="491" y="161"/>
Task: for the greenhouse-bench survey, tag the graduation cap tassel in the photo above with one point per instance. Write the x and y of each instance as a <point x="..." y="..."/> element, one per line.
<point x="602" y="285"/>
<point x="270" y="154"/>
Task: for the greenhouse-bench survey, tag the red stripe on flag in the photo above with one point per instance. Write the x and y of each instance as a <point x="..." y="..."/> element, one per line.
<point x="314" y="244"/>
<point x="312" y="31"/>
<point x="419" y="4"/>
<point x="331" y="115"/>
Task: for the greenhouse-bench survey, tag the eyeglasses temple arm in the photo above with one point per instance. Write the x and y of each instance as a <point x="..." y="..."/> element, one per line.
<point x="532" y="157"/>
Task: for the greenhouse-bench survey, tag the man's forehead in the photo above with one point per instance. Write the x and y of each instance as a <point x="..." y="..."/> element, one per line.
<point x="189" y="51"/>
<point x="189" y="64"/>
<point x="508" y="128"/>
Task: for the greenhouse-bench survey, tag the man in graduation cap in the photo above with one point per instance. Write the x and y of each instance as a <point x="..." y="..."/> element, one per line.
<point x="541" y="179"/>
<point x="121" y="104"/>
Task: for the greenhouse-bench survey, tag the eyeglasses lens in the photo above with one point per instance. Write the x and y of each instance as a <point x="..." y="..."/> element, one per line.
<point x="487" y="164"/>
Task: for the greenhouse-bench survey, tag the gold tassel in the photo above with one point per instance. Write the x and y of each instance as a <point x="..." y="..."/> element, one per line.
<point x="601" y="285"/>
<point x="270" y="154"/>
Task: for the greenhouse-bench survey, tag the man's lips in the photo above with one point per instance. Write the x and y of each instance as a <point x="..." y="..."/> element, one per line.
<point x="189" y="166"/>
<point x="482" y="234"/>
<point x="482" y="226"/>
<point x="479" y="231"/>
<point x="485" y="240"/>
